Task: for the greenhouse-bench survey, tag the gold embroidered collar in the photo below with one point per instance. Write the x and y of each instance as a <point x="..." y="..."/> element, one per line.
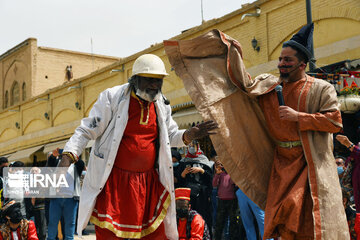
<point x="142" y="109"/>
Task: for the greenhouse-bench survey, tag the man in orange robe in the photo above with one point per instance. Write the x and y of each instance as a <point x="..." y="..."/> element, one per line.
<point x="280" y="156"/>
<point x="288" y="211"/>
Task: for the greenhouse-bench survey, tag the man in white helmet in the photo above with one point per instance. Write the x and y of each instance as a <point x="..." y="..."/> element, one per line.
<point x="128" y="191"/>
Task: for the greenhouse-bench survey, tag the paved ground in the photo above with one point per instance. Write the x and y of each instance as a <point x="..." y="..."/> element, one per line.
<point x="91" y="230"/>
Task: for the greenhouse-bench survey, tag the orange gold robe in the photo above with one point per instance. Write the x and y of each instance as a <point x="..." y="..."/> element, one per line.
<point x="289" y="205"/>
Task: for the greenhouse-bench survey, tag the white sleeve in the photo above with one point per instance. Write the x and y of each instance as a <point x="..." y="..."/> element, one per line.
<point x="93" y="126"/>
<point x="175" y="135"/>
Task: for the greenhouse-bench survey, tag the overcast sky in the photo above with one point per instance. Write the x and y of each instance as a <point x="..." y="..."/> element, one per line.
<point x="117" y="27"/>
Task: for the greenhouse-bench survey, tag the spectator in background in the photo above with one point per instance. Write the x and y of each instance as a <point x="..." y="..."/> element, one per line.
<point x="340" y="163"/>
<point x="67" y="206"/>
<point x="194" y="172"/>
<point x="176" y="157"/>
<point x="54" y="157"/>
<point x="38" y="210"/>
<point x="16" y="226"/>
<point x="4" y="162"/>
<point x="191" y="225"/>
<point x="227" y="202"/>
<point x="17" y="167"/>
<point x="352" y="175"/>
<point x="250" y="215"/>
<point x="350" y="213"/>
<point x="213" y="159"/>
<point x="52" y="161"/>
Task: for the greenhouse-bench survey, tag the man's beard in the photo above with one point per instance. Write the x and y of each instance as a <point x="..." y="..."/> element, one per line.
<point x="148" y="96"/>
<point x="284" y="75"/>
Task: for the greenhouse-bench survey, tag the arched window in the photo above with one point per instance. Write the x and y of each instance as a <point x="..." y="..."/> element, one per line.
<point x="23" y="91"/>
<point x="14" y="94"/>
<point x="6" y="100"/>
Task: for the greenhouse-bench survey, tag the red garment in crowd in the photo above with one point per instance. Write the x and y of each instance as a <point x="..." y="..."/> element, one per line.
<point x="133" y="203"/>
<point x="197" y="228"/>
<point x="357" y="225"/>
<point x="31" y="233"/>
<point x="197" y="154"/>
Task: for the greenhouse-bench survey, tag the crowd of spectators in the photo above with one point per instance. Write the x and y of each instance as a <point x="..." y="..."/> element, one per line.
<point x="348" y="171"/>
<point x="46" y="214"/>
<point x="225" y="210"/>
<point x="215" y="197"/>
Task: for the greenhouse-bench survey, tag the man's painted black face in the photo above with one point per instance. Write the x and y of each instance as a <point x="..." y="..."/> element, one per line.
<point x="148" y="88"/>
<point x="182" y="208"/>
<point x="288" y="62"/>
<point x="181" y="203"/>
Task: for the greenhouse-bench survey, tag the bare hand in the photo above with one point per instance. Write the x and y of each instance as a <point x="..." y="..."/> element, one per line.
<point x="344" y="140"/>
<point x="201" y="130"/>
<point x="65" y="161"/>
<point x="197" y="170"/>
<point x="185" y="172"/>
<point x="289" y="114"/>
<point x="56" y="153"/>
<point x="218" y="170"/>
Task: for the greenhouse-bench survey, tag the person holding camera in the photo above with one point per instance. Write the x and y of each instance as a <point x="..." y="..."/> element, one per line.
<point x="195" y="172"/>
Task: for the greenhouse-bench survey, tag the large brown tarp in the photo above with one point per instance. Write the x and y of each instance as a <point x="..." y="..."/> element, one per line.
<point x="214" y="76"/>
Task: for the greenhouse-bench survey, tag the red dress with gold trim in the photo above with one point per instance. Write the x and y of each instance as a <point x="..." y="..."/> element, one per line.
<point x="133" y="203"/>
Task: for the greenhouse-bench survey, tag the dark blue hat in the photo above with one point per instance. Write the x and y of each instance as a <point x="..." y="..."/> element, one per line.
<point x="303" y="40"/>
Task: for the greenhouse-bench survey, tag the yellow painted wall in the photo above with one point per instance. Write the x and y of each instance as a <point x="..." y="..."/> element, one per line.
<point x="337" y="31"/>
<point x="33" y="118"/>
<point x="52" y="63"/>
<point x="8" y="128"/>
<point x="16" y="67"/>
<point x="7" y="134"/>
<point x="43" y="68"/>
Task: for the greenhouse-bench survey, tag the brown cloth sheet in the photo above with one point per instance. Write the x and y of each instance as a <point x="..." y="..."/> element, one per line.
<point x="214" y="76"/>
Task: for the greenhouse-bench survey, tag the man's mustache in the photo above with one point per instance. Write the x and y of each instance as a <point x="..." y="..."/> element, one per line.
<point x="285" y="67"/>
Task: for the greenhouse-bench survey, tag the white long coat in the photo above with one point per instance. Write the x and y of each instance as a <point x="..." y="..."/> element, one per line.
<point x="106" y="123"/>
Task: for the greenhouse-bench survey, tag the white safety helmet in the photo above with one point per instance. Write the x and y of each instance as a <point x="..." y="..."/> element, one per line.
<point x="149" y="65"/>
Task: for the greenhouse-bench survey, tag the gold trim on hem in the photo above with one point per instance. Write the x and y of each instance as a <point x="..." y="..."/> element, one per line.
<point x="136" y="235"/>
